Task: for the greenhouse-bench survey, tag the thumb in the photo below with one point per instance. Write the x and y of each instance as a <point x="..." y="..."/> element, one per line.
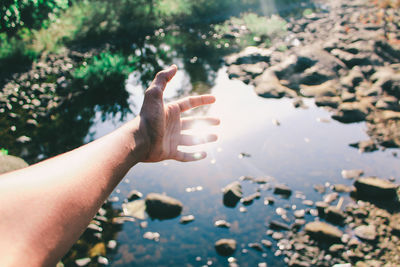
<point x="163" y="77"/>
<point x="154" y="93"/>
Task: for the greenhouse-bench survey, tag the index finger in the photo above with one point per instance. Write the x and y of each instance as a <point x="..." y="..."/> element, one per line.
<point x="195" y="101"/>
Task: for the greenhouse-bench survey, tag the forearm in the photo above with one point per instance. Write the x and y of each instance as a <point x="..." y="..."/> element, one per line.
<point x="52" y="202"/>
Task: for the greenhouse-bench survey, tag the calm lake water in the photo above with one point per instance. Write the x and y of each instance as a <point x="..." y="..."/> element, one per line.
<point x="300" y="152"/>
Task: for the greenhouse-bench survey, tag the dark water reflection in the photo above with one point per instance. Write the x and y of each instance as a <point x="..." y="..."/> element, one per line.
<point x="300" y="152"/>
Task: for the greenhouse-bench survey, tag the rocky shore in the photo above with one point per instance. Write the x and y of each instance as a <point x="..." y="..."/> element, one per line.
<point x="346" y="57"/>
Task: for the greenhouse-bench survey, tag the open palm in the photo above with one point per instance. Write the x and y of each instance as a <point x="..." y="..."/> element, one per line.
<point x="162" y="124"/>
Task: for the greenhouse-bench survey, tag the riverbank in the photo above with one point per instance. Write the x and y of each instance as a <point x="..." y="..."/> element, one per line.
<point x="346" y="57"/>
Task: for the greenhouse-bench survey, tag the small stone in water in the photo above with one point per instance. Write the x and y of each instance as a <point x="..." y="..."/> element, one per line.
<point x="83" y="261"/>
<point x="152" y="236"/>
<point x="351" y="174"/>
<point x="198" y="258"/>
<point x="112" y="244"/>
<point x="222" y="224"/>
<point x="299" y="213"/>
<point x="242" y="209"/>
<point x="187" y="219"/>
<point x="331" y="197"/>
<point x="143" y="224"/>
<point x="102" y="260"/>
<point x="308" y="203"/>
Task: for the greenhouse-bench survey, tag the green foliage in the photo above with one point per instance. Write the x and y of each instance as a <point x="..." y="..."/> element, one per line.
<point x="31" y="14"/>
<point x="103" y="81"/>
<point x="3" y="151"/>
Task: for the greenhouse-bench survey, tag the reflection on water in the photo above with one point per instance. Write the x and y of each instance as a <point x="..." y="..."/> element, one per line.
<point x="301" y="152"/>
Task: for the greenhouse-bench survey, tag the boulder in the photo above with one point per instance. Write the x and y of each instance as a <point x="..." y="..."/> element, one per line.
<point x="281" y="189"/>
<point x="349" y="112"/>
<point x="268" y="85"/>
<point x="376" y="188"/>
<point x="325" y="89"/>
<point x="275" y="225"/>
<point x="334" y="215"/>
<point x="366" y="232"/>
<point x="232" y="193"/>
<point x="162" y="207"/>
<point x="323" y="232"/>
<point x="225" y="247"/>
<point x="249" y="199"/>
<point x="134" y="194"/>
<point x="250" y="55"/>
<point x="10" y="163"/>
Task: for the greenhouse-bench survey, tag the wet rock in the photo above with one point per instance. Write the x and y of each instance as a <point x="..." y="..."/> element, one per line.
<point x="323" y="232"/>
<point x="152" y="236"/>
<point x="135" y="209"/>
<point x="134" y="194"/>
<point x="308" y="202"/>
<point x="232" y="193"/>
<point x="269" y="201"/>
<point x="225" y="247"/>
<point x="365" y="146"/>
<point x="299" y="213"/>
<point x="341" y="188"/>
<point x="277" y="235"/>
<point x="329" y="198"/>
<point x="266" y="243"/>
<point x="10" y="163"/>
<point x="222" y="224"/>
<point x="320" y="188"/>
<point x="276" y="225"/>
<point x="249" y="199"/>
<point x="334" y="215"/>
<point x="256" y="246"/>
<point x="321" y="206"/>
<point x="281" y="189"/>
<point x="366" y="232"/>
<point x="351" y="174"/>
<point x="162" y="207"/>
<point x="328" y="101"/>
<point x="349" y="112"/>
<point x="82" y="262"/>
<point x="327" y="89"/>
<point x="376" y="188"/>
<point x="268" y="85"/>
<point x="186" y="219"/>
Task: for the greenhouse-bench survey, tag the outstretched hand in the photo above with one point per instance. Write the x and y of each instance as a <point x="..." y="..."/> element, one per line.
<point x="161" y="125"/>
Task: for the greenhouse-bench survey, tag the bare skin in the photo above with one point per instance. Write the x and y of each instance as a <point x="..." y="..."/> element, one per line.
<point x="47" y="206"/>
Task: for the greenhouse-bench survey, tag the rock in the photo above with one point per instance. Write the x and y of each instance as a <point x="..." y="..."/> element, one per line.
<point x="353" y="79"/>
<point x="320" y="188"/>
<point x="376" y="188"/>
<point x="277" y="235"/>
<point x="328" y="101"/>
<point x="82" y="262"/>
<point x="266" y="243"/>
<point x="222" y="224"/>
<point x="256" y="246"/>
<point x="10" y="163"/>
<point x="135" y="209"/>
<point x="269" y="200"/>
<point x="299" y="213"/>
<point x="186" y="219"/>
<point x="268" y="85"/>
<point x="365" y="146"/>
<point x="225" y="247"/>
<point x="335" y="249"/>
<point x="349" y="112"/>
<point x="329" y="198"/>
<point x="281" y="189"/>
<point x="334" y="215"/>
<point x="249" y="199"/>
<point x="366" y="232"/>
<point x="134" y="194"/>
<point x="321" y="206"/>
<point x="323" y="232"/>
<point x="232" y="193"/>
<point x="325" y="89"/>
<point x="152" y="236"/>
<point x="162" y="207"/>
<point x="341" y="188"/>
<point x="351" y="60"/>
<point x="275" y="225"/>
<point x="351" y="174"/>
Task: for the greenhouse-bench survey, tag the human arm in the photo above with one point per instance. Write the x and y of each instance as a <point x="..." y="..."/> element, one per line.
<point x="46" y="207"/>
